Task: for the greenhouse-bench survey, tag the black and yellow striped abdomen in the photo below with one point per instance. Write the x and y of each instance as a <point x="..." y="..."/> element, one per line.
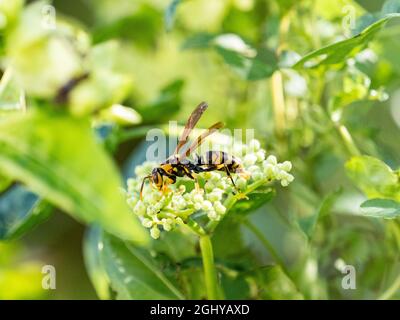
<point x="218" y="160"/>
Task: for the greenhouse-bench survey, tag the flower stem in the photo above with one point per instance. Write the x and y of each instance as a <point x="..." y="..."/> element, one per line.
<point x="348" y="141"/>
<point x="210" y="273"/>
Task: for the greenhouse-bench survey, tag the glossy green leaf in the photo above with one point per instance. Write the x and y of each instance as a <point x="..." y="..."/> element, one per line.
<point x="170" y="14"/>
<point x="59" y="157"/>
<point x="20" y="211"/>
<point x="381" y="208"/>
<point x="132" y="273"/>
<point x="340" y="51"/>
<point x="374" y="177"/>
<point x="92" y="245"/>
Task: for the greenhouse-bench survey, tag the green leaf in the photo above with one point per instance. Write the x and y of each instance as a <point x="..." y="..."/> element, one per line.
<point x="5" y="182"/>
<point x="143" y="27"/>
<point x="92" y="244"/>
<point x="261" y="66"/>
<point x="20" y="211"/>
<point x="58" y="157"/>
<point x="132" y="273"/>
<point x="255" y="200"/>
<point x="340" y="51"/>
<point x="249" y="63"/>
<point x="170" y="14"/>
<point x="274" y="284"/>
<point x="167" y="103"/>
<point x="373" y="177"/>
<point x="199" y="41"/>
<point x="308" y="224"/>
<point x="381" y="208"/>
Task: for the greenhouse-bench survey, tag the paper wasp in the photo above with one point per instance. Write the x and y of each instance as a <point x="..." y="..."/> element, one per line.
<point x="177" y="165"/>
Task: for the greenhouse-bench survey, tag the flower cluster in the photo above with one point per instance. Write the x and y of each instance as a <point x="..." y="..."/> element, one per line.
<point x="159" y="210"/>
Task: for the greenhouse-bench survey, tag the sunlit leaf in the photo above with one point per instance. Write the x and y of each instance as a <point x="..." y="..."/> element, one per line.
<point x="381" y="208"/>
<point x="374" y="177"/>
<point x="59" y="157"/>
<point x="170" y="14"/>
<point x="92" y="245"/>
<point x="340" y="51"/>
<point x="248" y="62"/>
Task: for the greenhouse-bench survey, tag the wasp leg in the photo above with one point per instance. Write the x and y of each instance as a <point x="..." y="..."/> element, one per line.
<point x="230" y="177"/>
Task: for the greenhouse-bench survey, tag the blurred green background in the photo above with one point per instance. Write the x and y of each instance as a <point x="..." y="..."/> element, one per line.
<point x="165" y="74"/>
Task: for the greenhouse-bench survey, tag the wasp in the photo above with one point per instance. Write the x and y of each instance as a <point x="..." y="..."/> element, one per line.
<point x="178" y="164"/>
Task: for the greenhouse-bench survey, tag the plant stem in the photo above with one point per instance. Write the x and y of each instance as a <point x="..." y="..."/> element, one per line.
<point x="210" y="273"/>
<point x="266" y="243"/>
<point x="391" y="290"/>
<point x="348" y="140"/>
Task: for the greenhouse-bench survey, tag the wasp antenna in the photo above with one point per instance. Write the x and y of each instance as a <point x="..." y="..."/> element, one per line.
<point x="141" y="187"/>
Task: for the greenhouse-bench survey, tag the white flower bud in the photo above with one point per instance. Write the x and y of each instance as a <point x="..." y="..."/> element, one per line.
<point x="287" y="166"/>
<point x="260" y="155"/>
<point x="219" y="208"/>
<point x="198" y="198"/>
<point x="207" y="205"/>
<point x="140" y="208"/>
<point x="155" y="232"/>
<point x="166" y="223"/>
<point x="147" y="223"/>
<point x="284" y="183"/>
<point x="241" y="183"/>
<point x="215" y="195"/>
<point x="257" y="175"/>
<point x="132" y="201"/>
<point x="212" y="215"/>
<point x="254" y="145"/>
<point x="272" y="160"/>
<point x="249" y="159"/>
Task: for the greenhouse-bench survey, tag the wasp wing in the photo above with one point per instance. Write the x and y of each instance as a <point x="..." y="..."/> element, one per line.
<point x="190" y="124"/>
<point x="215" y="127"/>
